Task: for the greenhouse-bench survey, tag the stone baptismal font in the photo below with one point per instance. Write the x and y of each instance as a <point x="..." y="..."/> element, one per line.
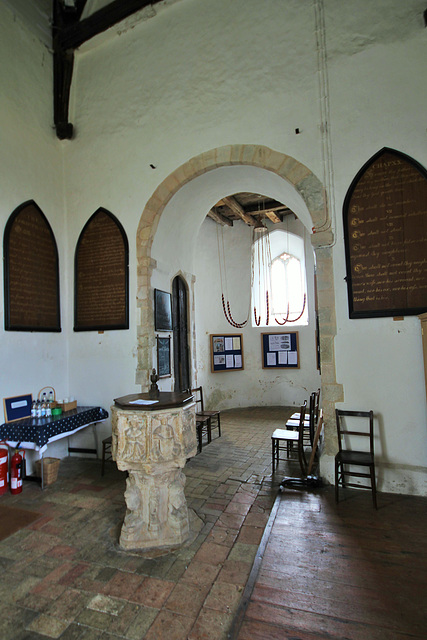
<point x="152" y="438"/>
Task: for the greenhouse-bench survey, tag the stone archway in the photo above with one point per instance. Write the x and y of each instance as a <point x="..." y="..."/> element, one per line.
<point x="312" y="192"/>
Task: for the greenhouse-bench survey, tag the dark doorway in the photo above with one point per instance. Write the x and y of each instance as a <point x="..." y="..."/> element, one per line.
<point x="180" y="335"/>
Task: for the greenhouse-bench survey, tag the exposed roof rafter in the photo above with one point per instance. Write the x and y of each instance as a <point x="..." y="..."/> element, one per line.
<point x="219" y="218"/>
<point x="69" y="32"/>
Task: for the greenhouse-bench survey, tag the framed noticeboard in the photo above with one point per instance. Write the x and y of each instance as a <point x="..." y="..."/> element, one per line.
<point x="162" y="311"/>
<point x="226" y="352"/>
<point x="280" y="350"/>
<point x="17" y="407"/>
<point x="163" y="357"/>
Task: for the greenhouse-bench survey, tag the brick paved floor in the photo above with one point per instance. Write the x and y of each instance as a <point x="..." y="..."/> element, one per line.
<point x="65" y="577"/>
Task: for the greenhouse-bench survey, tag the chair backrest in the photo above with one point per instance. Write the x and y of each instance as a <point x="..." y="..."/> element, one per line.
<point x="364" y="428"/>
<point x="316" y="405"/>
<point x="301" y="455"/>
<point x="313" y="417"/>
<point x="198" y="399"/>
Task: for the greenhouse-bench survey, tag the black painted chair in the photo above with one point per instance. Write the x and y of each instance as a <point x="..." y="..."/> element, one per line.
<point x="349" y="456"/>
<point x="106" y="452"/>
<point x="209" y="420"/>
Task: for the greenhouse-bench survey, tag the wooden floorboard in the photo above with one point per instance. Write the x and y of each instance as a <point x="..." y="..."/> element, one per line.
<point x="344" y="571"/>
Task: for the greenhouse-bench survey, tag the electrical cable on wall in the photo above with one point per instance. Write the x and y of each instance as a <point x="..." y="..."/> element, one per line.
<point x="326" y="144"/>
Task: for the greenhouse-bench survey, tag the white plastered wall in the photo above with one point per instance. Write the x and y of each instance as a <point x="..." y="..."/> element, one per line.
<point x="181" y="225"/>
<point x="377" y="86"/>
<point x="30" y="169"/>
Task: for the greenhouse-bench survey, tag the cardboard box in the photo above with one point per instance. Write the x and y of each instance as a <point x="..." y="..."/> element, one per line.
<point x="66" y="406"/>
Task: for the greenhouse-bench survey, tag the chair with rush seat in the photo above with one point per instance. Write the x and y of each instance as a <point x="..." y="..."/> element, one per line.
<point x="352" y="426"/>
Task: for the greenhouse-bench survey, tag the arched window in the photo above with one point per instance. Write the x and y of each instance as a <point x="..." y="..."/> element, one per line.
<point x="279" y="288"/>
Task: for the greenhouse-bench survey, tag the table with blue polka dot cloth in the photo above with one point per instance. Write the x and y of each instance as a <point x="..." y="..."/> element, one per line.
<point x="36" y="433"/>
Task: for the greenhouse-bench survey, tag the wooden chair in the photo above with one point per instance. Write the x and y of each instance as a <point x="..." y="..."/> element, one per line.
<point x="203" y="428"/>
<point x="210" y="419"/>
<point x="284" y="439"/>
<point x="106" y="452"/>
<point x="350" y="457"/>
<point x="316" y="397"/>
<point x="310" y="420"/>
<point x="307" y="479"/>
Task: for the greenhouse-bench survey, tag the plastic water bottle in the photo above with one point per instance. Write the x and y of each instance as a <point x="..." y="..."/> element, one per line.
<point x="43" y="407"/>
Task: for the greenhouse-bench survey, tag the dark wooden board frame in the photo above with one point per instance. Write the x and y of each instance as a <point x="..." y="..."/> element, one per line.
<point x="294" y="343"/>
<point x="164" y="356"/>
<point x="32" y="317"/>
<point x="218" y="339"/>
<point x="162" y="310"/>
<point x="11" y="414"/>
<point x="105" y="322"/>
<point x="374" y="312"/>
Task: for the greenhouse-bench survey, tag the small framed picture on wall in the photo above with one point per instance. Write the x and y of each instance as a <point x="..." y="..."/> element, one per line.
<point x="164" y="357"/>
<point x="162" y="310"/>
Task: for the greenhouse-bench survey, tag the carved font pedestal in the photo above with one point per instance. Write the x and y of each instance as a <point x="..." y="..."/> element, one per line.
<point x="153" y="444"/>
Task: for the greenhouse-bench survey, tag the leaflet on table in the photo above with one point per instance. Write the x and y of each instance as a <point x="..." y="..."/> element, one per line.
<point x="140" y="401"/>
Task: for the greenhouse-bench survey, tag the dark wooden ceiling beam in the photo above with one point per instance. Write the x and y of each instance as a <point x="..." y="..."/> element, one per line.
<point x="76" y="34"/>
<point x="272" y="215"/>
<point x="219" y="218"/>
<point x="68" y="33"/>
<point x="63" y="64"/>
<point x="271" y="205"/>
<point x="237" y="208"/>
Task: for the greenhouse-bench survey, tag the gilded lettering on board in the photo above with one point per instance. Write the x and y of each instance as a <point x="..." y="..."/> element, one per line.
<point x="385" y="224"/>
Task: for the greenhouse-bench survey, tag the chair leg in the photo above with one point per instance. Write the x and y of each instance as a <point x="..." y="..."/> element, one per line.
<point x="273" y="453"/>
<point x="374" y="488"/>
<point x="209" y="429"/>
<point x="219" y="426"/>
<point x="103" y="459"/>
<point x="199" y="436"/>
<point x="336" y="480"/>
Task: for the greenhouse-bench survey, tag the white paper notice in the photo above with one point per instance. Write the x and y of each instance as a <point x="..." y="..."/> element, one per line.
<point x="236" y="343"/>
<point x="229" y="361"/>
<point x="271" y="359"/>
<point x="283" y="357"/>
<point x="218" y="360"/>
<point x="279" y="342"/>
<point x="292" y="357"/>
<point x="19" y="404"/>
<point x="229" y="344"/>
<point x="143" y="401"/>
<point x="238" y="362"/>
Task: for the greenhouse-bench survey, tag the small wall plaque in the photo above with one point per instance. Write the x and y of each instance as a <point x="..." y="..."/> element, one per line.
<point x="162" y="311"/>
<point x="17" y="407"/>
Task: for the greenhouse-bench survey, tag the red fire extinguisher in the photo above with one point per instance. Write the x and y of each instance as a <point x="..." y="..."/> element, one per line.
<point x="16" y="472"/>
<point x="4" y="468"/>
